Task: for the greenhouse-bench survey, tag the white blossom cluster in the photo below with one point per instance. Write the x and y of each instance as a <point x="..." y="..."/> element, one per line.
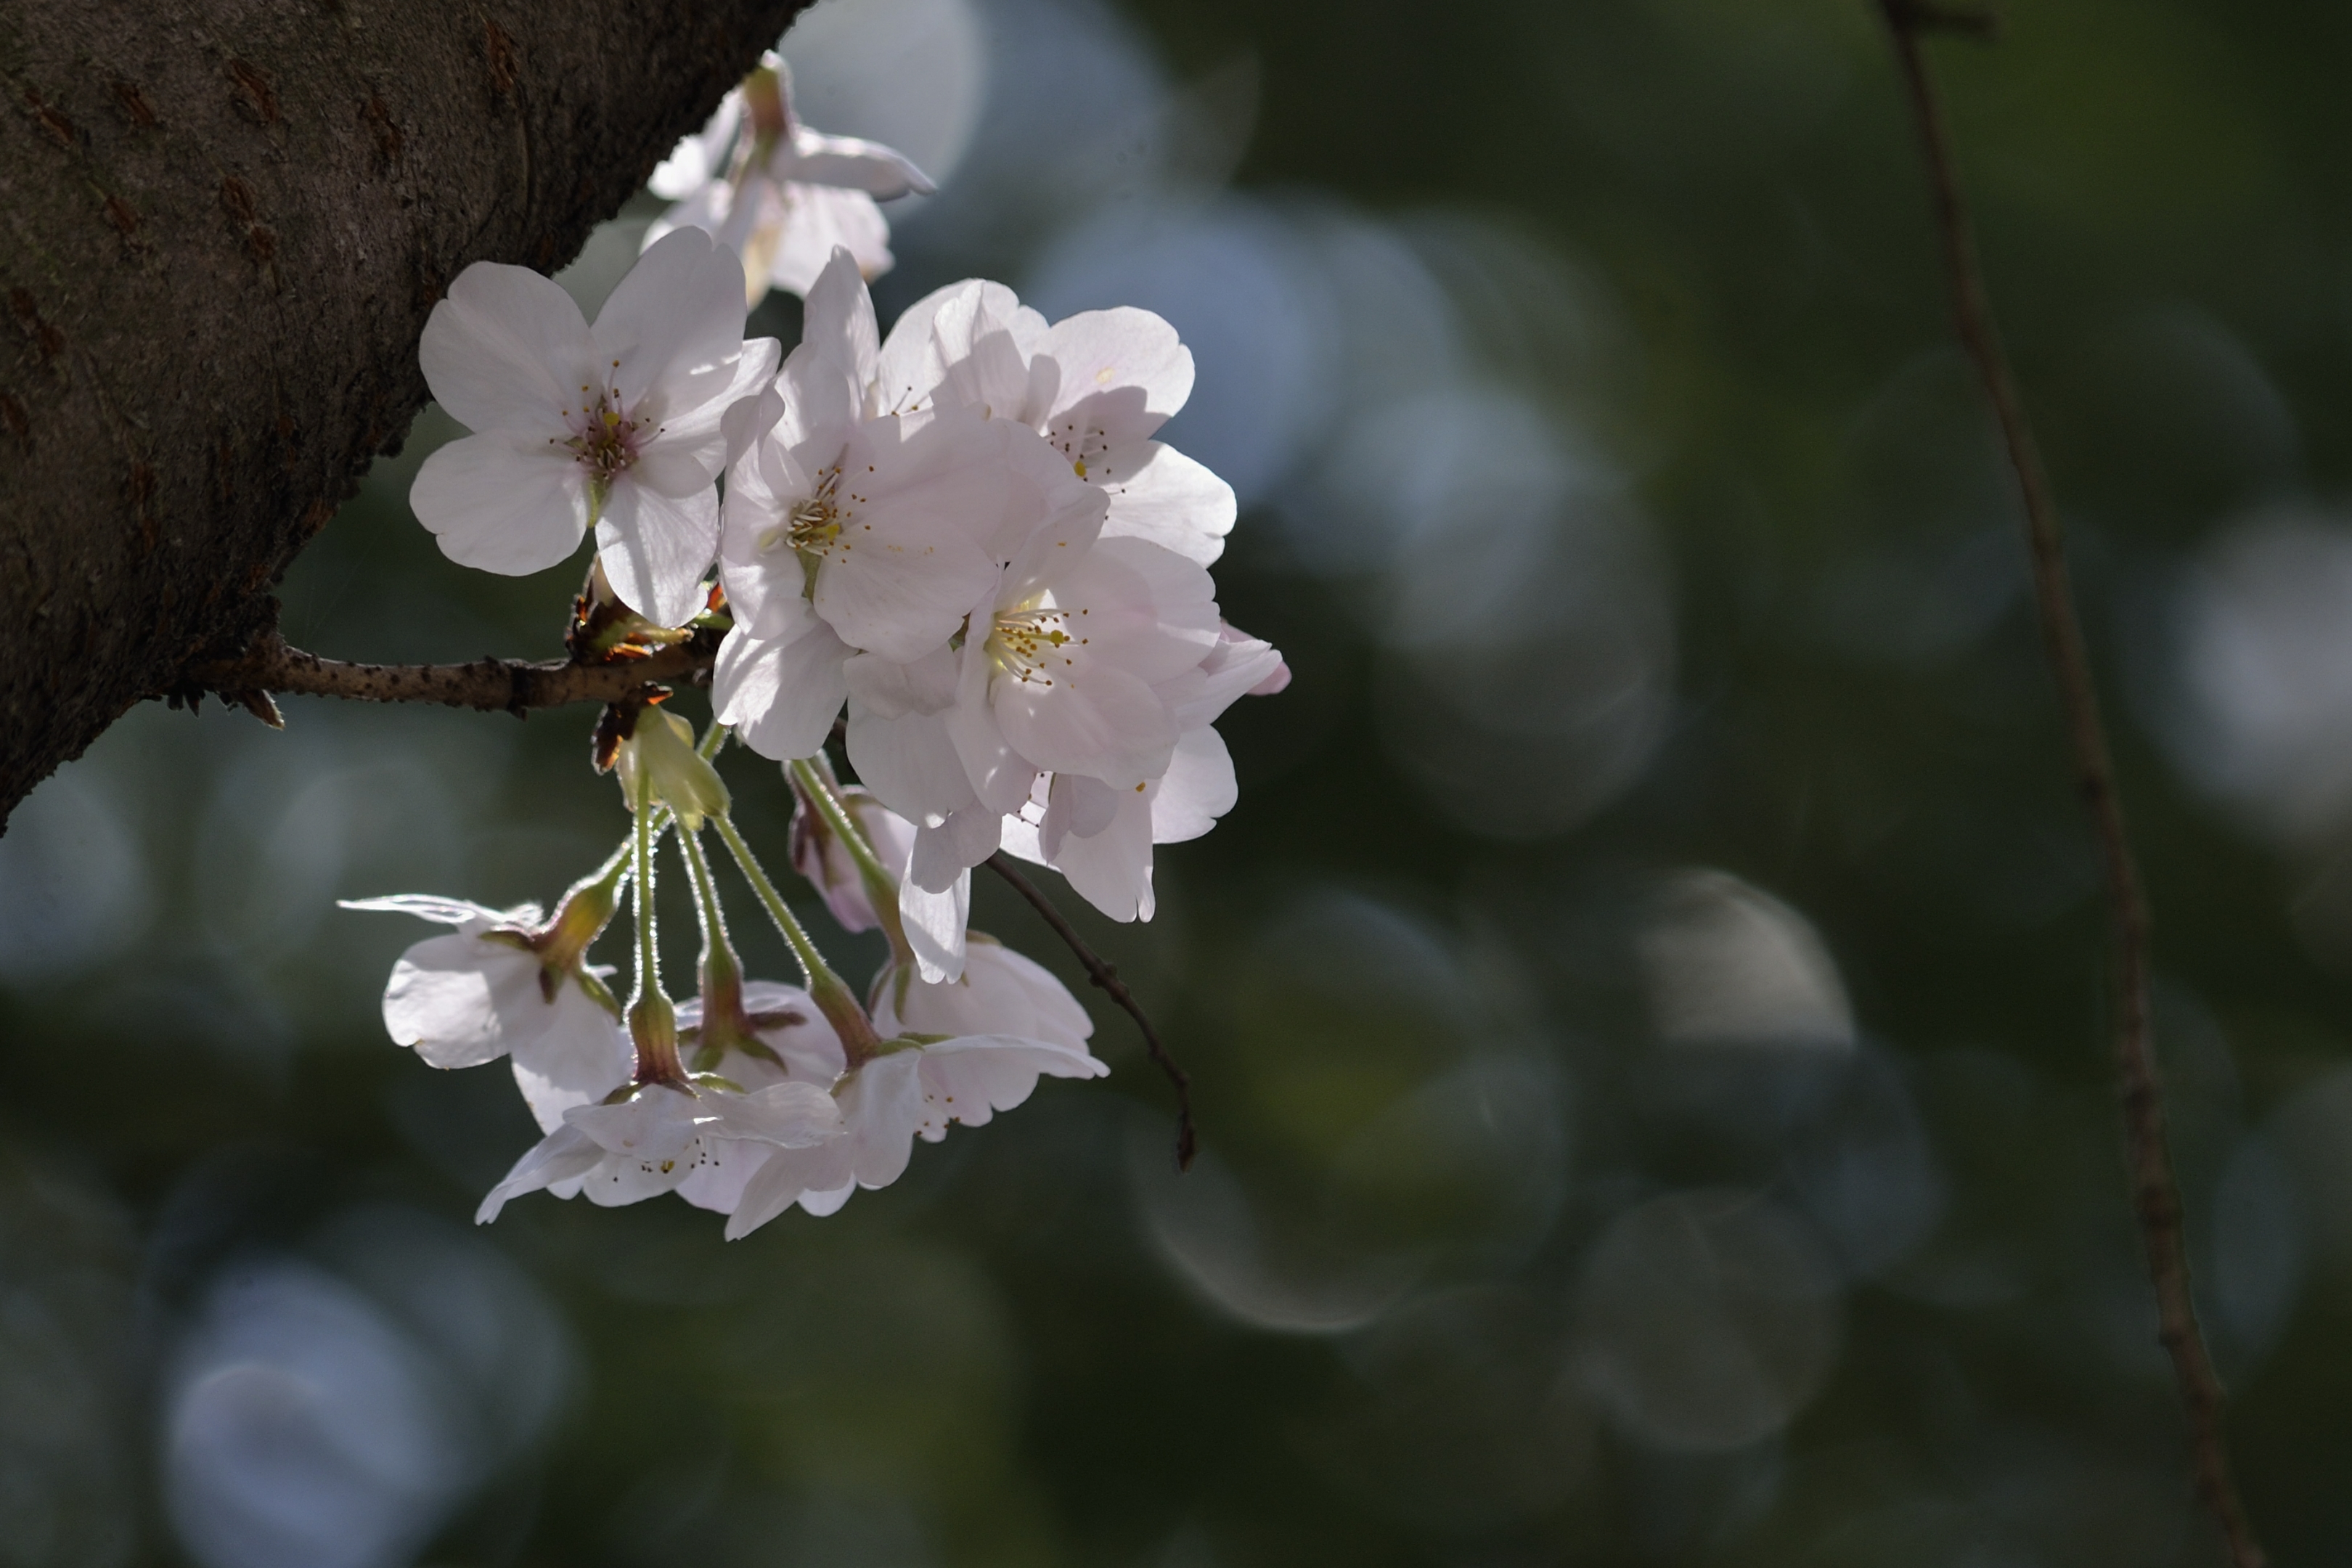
<point x="964" y="533"/>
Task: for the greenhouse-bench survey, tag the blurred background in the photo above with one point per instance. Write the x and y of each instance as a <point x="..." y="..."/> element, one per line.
<point x="1645" y="1009"/>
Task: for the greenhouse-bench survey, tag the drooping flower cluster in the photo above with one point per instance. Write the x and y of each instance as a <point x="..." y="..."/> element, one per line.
<point x="967" y="534"/>
<point x="753" y="1096"/>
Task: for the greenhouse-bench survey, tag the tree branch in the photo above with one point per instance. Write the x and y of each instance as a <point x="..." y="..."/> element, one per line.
<point x="225" y="226"/>
<point x="1107" y="977"/>
<point x="491" y="685"/>
<point x="2155" y="1192"/>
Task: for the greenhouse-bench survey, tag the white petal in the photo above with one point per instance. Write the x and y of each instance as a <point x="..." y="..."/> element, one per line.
<point x="970" y="1079"/>
<point x="656" y="548"/>
<point x="908" y="563"/>
<point x="849" y="163"/>
<point x="820" y="220"/>
<point x="883" y="1106"/>
<point x="1112" y="871"/>
<point x="1124" y="371"/>
<point x="670" y="336"/>
<point x="790" y="1115"/>
<point x="444" y="911"/>
<point x="1075" y="804"/>
<point x="943" y="856"/>
<point x="838" y="320"/>
<point x="561" y="1156"/>
<point x="704" y="439"/>
<point x="460" y="1001"/>
<point x="507" y="350"/>
<point x="909" y="763"/>
<point x="782" y="1180"/>
<point x="782" y="694"/>
<point x="1105" y="722"/>
<point x="893" y="690"/>
<point x="701" y="156"/>
<point x="934" y="924"/>
<point x="579" y="1058"/>
<point x="910" y="369"/>
<point x="1238" y="666"/>
<point x="509" y="504"/>
<point x="1001" y="993"/>
<point x="654" y="1124"/>
<point x="1160" y="494"/>
<point x="1198" y="788"/>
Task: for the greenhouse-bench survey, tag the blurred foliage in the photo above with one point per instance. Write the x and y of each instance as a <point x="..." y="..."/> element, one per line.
<point x="1645" y="1009"/>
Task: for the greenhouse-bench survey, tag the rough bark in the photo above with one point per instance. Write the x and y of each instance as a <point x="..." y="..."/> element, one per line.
<point x="222" y="226"/>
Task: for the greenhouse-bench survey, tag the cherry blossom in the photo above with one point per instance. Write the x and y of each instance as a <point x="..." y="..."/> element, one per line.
<point x="1099" y="838"/>
<point x="849" y="532"/>
<point x="777" y="1034"/>
<point x="1059" y="671"/>
<point x="624" y="425"/>
<point x="912" y="1089"/>
<point x="1001" y="993"/>
<point x="783" y="197"/>
<point x="504" y="984"/>
<point x="650" y="1140"/>
<point x="1096" y="386"/>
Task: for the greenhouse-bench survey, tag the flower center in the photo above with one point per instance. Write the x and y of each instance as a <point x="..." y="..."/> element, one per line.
<point x="1038" y="644"/>
<point x="603" y="439"/>
<point x="812" y="525"/>
<point x="1082" y="445"/>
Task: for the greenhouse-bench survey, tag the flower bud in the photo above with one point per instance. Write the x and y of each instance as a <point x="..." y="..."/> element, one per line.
<point x="660" y="760"/>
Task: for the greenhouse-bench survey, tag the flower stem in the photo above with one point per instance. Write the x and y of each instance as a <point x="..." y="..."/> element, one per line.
<point x="828" y="990"/>
<point x="652" y="1022"/>
<point x="881" y="886"/>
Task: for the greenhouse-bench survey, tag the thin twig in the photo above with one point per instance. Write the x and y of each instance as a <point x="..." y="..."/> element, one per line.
<point x="1105" y="976"/>
<point x="492" y="685"/>
<point x="2156" y="1195"/>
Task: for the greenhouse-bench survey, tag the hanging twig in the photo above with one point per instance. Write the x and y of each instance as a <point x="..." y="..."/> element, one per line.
<point x="2156" y="1195"/>
<point x="1107" y="977"/>
<point x="492" y="685"/>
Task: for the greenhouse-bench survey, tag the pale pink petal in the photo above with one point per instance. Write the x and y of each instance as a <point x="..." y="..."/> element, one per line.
<point x="934" y="923"/>
<point x="562" y="1156"/>
<point x="1103" y="720"/>
<point x="1124" y="371"/>
<point x="838" y="320"/>
<point x="1198" y="788"/>
<point x="849" y="163"/>
<point x="909" y="763"/>
<point x="820" y="220"/>
<point x="781" y="694"/>
<point x="670" y="336"/>
<point x="460" y="1001"/>
<point x="508" y="350"/>
<point x="1160" y="494"/>
<point x="509" y="504"/>
<point x="971" y="1078"/>
<point x="907" y="566"/>
<point x="655" y="548"/>
<point x="1112" y="871"/>
<point x="700" y="157"/>
<point x="581" y="1057"/>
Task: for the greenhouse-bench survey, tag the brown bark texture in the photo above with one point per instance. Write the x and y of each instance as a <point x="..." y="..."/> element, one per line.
<point x="223" y="224"/>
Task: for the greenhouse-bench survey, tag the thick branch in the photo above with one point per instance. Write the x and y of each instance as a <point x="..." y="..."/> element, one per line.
<point x="221" y="226"/>
<point x="492" y="685"/>
<point x="2156" y="1195"/>
<point x="1104" y="975"/>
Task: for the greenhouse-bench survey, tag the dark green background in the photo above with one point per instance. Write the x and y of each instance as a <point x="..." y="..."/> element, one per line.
<point x="1689" y="239"/>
